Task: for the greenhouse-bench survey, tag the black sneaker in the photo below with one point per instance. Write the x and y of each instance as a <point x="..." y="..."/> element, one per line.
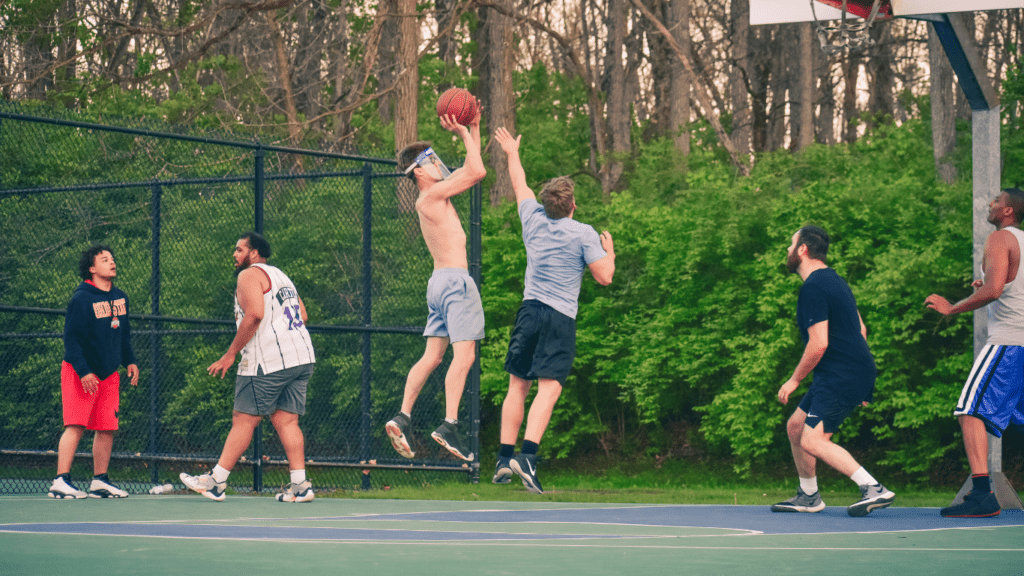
<point x="397" y="429"/>
<point x="447" y="435"/>
<point x="871" y="498"/>
<point x="502" y="472"/>
<point x="975" y="505"/>
<point x="526" y="466"/>
<point x="802" y="502"/>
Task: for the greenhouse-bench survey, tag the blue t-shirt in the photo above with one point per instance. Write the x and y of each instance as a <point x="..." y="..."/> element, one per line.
<point x="557" y="251"/>
<point x="847" y="368"/>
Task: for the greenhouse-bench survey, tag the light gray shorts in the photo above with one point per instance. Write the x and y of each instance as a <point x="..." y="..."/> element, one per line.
<point x="264" y="394"/>
<point x="454" y="306"/>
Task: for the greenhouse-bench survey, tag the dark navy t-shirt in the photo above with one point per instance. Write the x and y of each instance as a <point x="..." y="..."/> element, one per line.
<point x="847" y="368"/>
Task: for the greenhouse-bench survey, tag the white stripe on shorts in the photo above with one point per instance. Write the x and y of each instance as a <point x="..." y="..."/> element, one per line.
<point x="983" y="365"/>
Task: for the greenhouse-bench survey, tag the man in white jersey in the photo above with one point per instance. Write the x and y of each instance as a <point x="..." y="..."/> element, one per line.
<point x="456" y="314"/>
<point x="993" y="396"/>
<point x="542" y="346"/>
<point x="277" y="362"/>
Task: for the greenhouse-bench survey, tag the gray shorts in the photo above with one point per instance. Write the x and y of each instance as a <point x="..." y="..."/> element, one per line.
<point x="264" y="394"/>
<point x="455" y="309"/>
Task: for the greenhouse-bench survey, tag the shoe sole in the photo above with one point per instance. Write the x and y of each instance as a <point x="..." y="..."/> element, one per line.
<point x="449" y="447"/>
<point x="861" y="509"/>
<point x="988" y="515"/>
<point x="212" y="496"/>
<point x="307" y="497"/>
<point x="527" y="481"/>
<point x="105" y="494"/>
<point x="503" y="476"/>
<point x="808" y="509"/>
<point x="398" y="440"/>
<point x="62" y="496"/>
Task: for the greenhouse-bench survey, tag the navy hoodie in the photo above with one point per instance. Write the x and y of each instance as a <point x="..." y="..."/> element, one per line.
<point x="97" y="335"/>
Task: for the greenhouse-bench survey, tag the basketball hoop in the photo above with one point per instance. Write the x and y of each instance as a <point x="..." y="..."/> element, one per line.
<point x="852" y="34"/>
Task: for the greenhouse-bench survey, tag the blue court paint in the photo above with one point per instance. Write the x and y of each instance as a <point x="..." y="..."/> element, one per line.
<point x="757" y="519"/>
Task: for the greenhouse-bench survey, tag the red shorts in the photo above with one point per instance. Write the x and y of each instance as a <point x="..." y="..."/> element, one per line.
<point x="94" y="411"/>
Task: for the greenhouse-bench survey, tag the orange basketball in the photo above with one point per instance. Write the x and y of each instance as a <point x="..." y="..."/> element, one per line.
<point x="459" y="103"/>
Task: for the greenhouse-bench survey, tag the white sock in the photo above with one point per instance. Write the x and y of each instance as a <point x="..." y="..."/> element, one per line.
<point x="298" y="476"/>
<point x="409" y="416"/>
<point x="219" y="474"/>
<point x="862" y="478"/>
<point x="451" y="421"/>
<point x="809" y="485"/>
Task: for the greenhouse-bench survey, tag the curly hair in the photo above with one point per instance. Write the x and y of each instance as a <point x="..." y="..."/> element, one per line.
<point x="88" y="258"/>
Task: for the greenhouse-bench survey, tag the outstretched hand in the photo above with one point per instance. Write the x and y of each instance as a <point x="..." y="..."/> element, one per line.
<point x="509" y="144"/>
<point x="939" y="304"/>
<point x="449" y="123"/>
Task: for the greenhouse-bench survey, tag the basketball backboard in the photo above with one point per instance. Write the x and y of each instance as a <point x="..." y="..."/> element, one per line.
<point x="784" y="11"/>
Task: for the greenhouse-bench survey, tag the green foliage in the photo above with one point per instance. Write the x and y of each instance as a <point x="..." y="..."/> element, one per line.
<point x="1013" y="122"/>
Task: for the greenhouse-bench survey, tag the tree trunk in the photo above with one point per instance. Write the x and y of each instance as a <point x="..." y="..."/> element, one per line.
<point x="494" y="62"/>
<point x="618" y="106"/>
<point x="851" y="72"/>
<point x="388" y="53"/>
<point x="739" y="92"/>
<point x="803" y="102"/>
<point x="826" y="121"/>
<point x="679" y="91"/>
<point x="759" y="80"/>
<point x="881" y="76"/>
<point x="406" y="93"/>
<point x="780" y="83"/>
<point x="941" y="91"/>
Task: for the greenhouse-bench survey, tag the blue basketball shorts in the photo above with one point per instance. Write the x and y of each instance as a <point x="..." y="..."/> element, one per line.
<point x="454" y="307"/>
<point x="823" y="405"/>
<point x="994" y="391"/>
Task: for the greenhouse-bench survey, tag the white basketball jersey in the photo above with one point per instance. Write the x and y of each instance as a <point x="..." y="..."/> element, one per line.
<point x="1006" y="315"/>
<point x="281" y="340"/>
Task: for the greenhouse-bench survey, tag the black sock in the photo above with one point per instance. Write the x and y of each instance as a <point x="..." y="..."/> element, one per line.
<point x="981" y="483"/>
<point x="530" y="447"/>
<point x="507" y="451"/>
<point x="66" y="476"/>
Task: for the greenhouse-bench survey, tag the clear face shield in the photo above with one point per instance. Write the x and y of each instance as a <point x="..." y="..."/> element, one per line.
<point x="429" y="161"/>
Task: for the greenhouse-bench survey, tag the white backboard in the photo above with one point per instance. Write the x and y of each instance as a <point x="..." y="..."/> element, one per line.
<point x="783" y="11"/>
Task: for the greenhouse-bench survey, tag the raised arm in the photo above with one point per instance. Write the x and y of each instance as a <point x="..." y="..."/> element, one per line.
<point x="473" y="170"/>
<point x="997" y="264"/>
<point x="515" y="167"/>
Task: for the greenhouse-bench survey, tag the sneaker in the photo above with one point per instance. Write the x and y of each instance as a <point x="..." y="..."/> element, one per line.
<point x="302" y="492"/>
<point x="447" y="435"/>
<point x="205" y="485"/>
<point x="102" y="487"/>
<point x="802" y="502"/>
<point x="502" y="472"/>
<point x="871" y="498"/>
<point x="975" y="505"/>
<point x="61" y="489"/>
<point x="526" y="466"/>
<point x="396" y="429"/>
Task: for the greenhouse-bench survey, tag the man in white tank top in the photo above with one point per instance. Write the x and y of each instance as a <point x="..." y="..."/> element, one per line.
<point x="993" y="396"/>
<point x="277" y="362"/>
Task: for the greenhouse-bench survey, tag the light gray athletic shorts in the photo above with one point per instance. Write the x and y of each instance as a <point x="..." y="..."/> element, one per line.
<point x="264" y="394"/>
<point x="454" y="306"/>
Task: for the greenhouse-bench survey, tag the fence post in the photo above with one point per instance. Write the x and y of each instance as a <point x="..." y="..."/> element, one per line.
<point x="367" y="288"/>
<point x="257" y="437"/>
<point x="475" y="254"/>
<point x="155" y="339"/>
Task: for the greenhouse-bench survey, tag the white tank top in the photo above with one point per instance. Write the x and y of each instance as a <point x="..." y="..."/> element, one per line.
<point x="1006" y="315"/>
<point x="281" y="341"/>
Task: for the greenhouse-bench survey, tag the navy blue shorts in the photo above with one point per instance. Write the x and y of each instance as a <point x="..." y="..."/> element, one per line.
<point x="543" y="343"/>
<point x="822" y="406"/>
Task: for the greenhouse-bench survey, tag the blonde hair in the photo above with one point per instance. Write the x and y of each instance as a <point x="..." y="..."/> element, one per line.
<point x="557" y="197"/>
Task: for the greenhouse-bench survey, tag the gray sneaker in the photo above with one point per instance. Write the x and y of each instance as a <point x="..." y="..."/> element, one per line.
<point x="447" y="435"/>
<point x="301" y="492"/>
<point x="102" y="487"/>
<point x="871" y="498"/>
<point x="205" y="485"/>
<point x="397" y="430"/>
<point x="801" y="503"/>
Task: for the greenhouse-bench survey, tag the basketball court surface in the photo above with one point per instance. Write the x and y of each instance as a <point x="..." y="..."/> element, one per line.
<point x="171" y="534"/>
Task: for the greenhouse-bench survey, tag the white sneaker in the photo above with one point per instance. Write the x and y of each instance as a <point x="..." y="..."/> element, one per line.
<point x="297" y="493"/>
<point x="61" y="489"/>
<point x="102" y="488"/>
<point x="205" y="485"/>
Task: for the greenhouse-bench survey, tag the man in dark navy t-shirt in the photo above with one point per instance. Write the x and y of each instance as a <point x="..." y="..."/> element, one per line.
<point x="844" y="377"/>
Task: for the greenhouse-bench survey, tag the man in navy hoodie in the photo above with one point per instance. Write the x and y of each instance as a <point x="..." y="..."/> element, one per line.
<point x="97" y="341"/>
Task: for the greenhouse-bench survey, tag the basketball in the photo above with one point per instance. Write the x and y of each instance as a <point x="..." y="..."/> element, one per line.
<point x="457" y="102"/>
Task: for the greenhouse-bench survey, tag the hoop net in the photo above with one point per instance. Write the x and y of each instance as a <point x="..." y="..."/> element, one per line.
<point x="850" y="34"/>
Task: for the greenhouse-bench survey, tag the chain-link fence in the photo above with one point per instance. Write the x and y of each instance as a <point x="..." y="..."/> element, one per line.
<point x="171" y="206"/>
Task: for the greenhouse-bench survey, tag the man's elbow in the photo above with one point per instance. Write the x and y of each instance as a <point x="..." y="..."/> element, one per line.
<point x="603" y="277"/>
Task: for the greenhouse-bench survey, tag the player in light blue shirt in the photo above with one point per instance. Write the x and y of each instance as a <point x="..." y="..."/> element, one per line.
<point x="542" y="346"/>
